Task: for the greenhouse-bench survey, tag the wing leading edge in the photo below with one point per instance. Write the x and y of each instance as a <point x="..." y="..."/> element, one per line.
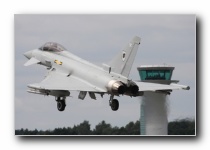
<point x="153" y="87"/>
<point x="58" y="81"/>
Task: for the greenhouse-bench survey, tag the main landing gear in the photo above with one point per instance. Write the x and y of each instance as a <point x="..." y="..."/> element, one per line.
<point x="61" y="103"/>
<point x="113" y="103"/>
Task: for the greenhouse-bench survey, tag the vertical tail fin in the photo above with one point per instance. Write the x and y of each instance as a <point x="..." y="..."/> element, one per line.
<point x="123" y="62"/>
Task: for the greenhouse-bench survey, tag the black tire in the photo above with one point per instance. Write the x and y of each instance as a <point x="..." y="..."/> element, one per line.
<point x="61" y="105"/>
<point x="114" y="105"/>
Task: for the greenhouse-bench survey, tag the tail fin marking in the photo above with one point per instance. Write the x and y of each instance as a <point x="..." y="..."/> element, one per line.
<point x="123" y="62"/>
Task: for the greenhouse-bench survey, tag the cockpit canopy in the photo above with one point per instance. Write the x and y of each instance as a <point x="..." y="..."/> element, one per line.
<point x="52" y="47"/>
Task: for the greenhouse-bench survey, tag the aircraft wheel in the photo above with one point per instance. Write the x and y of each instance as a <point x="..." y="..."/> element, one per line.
<point x="114" y="105"/>
<point x="61" y="105"/>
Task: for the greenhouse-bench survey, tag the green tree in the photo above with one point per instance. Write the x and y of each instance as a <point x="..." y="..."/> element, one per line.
<point x="84" y="128"/>
<point x="181" y="127"/>
<point x="129" y="128"/>
<point x="177" y="127"/>
<point x="102" y="129"/>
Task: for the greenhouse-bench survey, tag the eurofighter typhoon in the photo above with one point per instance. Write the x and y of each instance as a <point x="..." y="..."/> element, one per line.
<point x="67" y="72"/>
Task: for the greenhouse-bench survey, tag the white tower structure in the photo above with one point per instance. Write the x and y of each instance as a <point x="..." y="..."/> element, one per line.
<point x="153" y="107"/>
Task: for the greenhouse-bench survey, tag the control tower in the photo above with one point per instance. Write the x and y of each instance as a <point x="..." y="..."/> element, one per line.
<point x="153" y="107"/>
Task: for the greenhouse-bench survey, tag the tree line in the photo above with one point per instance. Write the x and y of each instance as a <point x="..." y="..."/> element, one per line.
<point x="177" y="127"/>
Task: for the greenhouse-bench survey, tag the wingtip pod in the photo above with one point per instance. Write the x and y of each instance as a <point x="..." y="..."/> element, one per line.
<point x="136" y="39"/>
<point x="184" y="87"/>
<point x="187" y="88"/>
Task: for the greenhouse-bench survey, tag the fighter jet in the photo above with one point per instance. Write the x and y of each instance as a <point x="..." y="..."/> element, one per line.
<point x="67" y="72"/>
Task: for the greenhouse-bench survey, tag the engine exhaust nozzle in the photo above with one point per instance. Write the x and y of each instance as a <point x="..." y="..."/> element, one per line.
<point x="116" y="87"/>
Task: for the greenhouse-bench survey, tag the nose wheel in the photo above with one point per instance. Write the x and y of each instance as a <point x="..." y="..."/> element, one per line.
<point x="114" y="104"/>
<point x="61" y="103"/>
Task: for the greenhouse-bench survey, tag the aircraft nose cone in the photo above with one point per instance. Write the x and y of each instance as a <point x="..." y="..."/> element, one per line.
<point x="28" y="54"/>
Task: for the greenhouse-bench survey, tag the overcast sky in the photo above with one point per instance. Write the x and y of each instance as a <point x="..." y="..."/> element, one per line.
<point x="168" y="39"/>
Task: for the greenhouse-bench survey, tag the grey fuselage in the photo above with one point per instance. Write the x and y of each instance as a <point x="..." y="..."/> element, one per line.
<point x="71" y="65"/>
